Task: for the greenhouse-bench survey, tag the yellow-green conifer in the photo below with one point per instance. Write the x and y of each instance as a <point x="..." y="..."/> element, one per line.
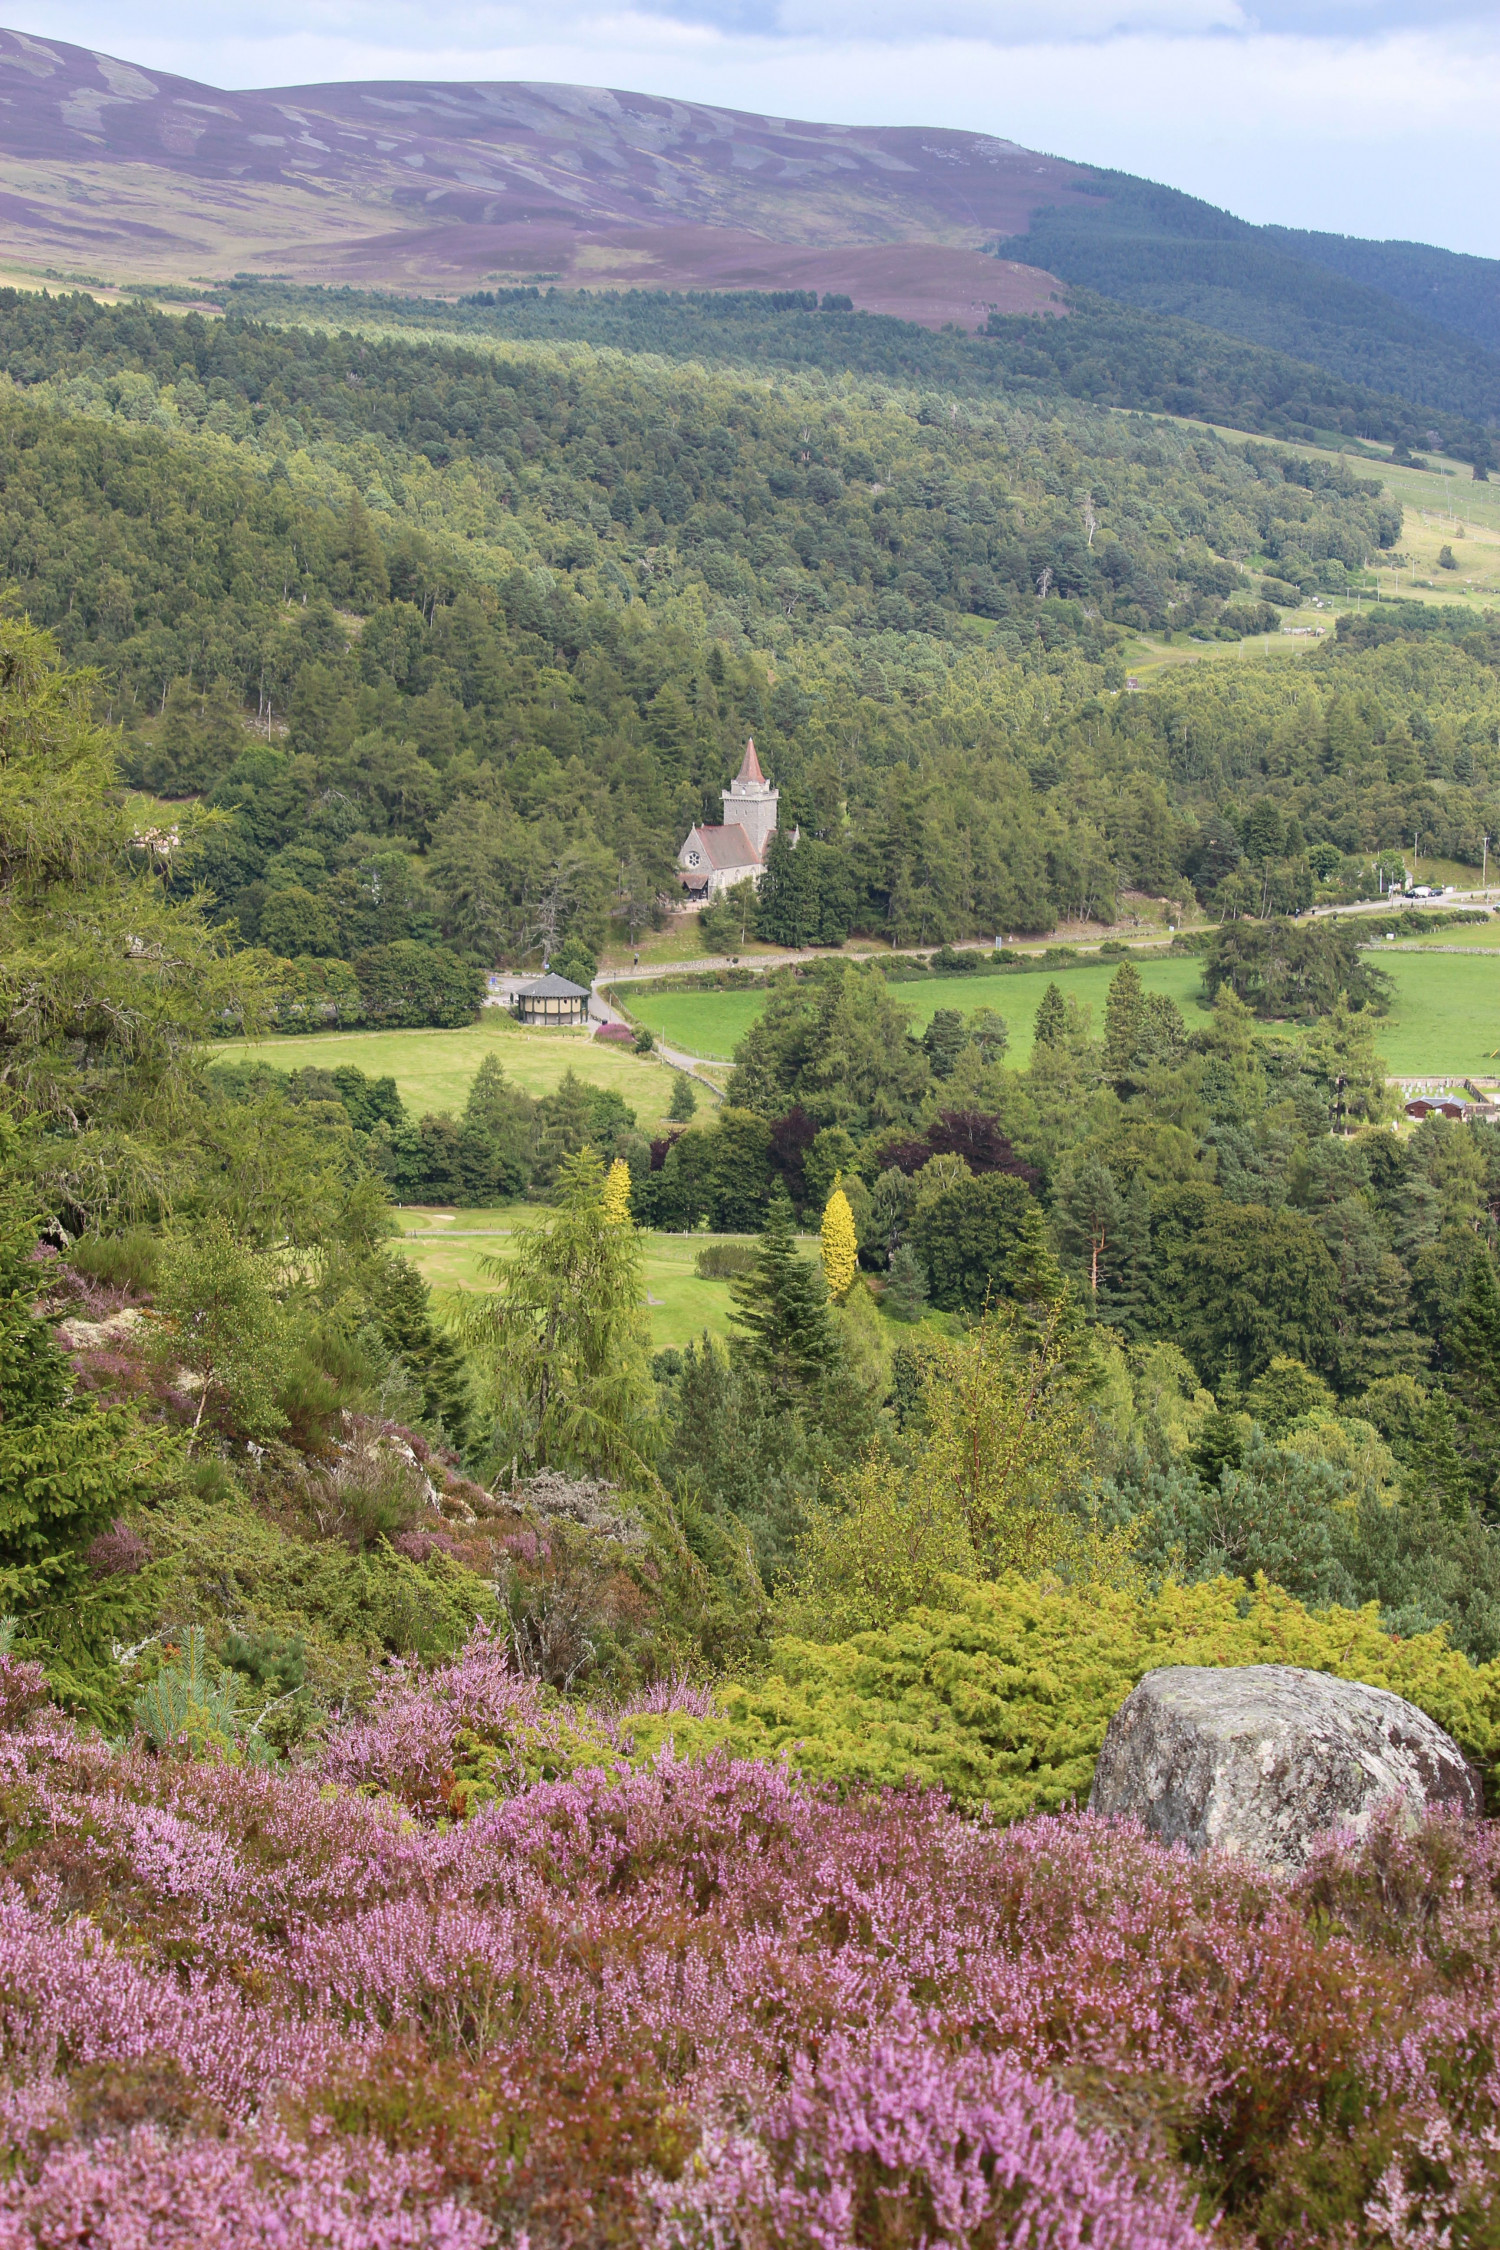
<point x="840" y="1244"/>
<point x="617" y="1193"/>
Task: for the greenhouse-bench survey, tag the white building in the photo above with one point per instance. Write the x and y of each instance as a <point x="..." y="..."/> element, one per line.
<point x="716" y="857"/>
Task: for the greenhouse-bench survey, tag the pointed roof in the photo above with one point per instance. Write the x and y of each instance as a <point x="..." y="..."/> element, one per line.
<point x="750" y="769"/>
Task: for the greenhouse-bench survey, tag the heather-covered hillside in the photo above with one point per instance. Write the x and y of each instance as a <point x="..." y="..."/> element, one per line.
<point x="656" y="2002"/>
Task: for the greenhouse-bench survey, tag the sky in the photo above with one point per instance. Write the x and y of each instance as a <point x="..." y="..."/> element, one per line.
<point x="1368" y="117"/>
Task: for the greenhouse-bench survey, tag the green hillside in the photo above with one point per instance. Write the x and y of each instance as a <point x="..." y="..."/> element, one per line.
<point x="459" y="638"/>
<point x="1390" y="317"/>
<point x="1114" y="353"/>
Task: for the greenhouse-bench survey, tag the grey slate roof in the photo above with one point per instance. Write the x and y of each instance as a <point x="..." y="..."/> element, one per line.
<point x="552" y="988"/>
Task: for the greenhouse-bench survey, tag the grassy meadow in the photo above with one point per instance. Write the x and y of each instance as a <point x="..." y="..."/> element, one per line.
<point x="448" y="1248"/>
<point x="712" y="1023"/>
<point x="433" y="1070"/>
<point x="1445" y="1015"/>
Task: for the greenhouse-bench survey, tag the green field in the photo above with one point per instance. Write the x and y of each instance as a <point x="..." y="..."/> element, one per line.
<point x="712" y="1023"/>
<point x="433" y="1070"/>
<point x="447" y="1248"/>
<point x="1445" y="1016"/>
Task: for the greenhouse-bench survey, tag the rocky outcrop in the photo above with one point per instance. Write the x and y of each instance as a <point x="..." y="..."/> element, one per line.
<point x="1263" y="1759"/>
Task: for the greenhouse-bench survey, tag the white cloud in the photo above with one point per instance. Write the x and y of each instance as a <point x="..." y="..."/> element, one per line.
<point x="998" y="23"/>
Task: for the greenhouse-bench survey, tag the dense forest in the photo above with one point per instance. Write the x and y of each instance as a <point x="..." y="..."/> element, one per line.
<point x="1390" y="317"/>
<point x="497" y="621"/>
<point x="1103" y="351"/>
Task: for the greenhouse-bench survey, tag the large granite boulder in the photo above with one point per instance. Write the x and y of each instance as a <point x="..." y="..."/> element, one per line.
<point x="1262" y="1759"/>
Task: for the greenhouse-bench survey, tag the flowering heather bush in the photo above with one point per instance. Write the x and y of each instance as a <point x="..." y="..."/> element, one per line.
<point x="707" y="2006"/>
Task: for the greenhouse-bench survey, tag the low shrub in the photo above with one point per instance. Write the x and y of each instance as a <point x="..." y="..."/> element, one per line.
<point x="720" y="1261"/>
<point x="1002" y="1698"/>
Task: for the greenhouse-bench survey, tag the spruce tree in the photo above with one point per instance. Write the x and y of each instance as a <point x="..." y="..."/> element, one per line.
<point x="906" y="1291"/>
<point x="1125" y="1300"/>
<point x="683" y="1107"/>
<point x="1051" y="1018"/>
<point x="1438" y="1474"/>
<point x="783" y="1307"/>
<point x="1124" y="1028"/>
<point x="1472" y="1348"/>
<point x="1033" y="1279"/>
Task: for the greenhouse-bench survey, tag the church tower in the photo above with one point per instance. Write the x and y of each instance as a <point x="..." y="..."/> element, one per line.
<point x="751" y="801"/>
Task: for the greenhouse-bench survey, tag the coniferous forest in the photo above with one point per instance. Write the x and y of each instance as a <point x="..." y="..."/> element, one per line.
<point x="471" y="1777"/>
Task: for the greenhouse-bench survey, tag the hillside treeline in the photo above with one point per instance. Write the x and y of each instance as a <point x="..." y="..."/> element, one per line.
<point x="503" y="620"/>
<point x="1312" y="297"/>
<point x="1305" y="380"/>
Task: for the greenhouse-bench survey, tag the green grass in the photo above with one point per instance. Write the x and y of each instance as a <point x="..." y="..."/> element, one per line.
<point x="710" y="1024"/>
<point x="1445" y="1015"/>
<point x="713" y="1023"/>
<point x="1485" y="936"/>
<point x="448" y="1248"/>
<point x="433" y="1070"/>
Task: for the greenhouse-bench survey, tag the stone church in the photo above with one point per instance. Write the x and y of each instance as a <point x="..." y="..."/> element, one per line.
<point x="715" y="857"/>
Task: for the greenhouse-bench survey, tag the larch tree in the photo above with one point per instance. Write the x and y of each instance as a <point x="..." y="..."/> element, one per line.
<point x="561" y="1346"/>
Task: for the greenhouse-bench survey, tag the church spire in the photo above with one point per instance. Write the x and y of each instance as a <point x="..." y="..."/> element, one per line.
<point x="750" y="767"/>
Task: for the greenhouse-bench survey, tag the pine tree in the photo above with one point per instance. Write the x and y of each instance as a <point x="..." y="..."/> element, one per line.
<point x="906" y="1291"/>
<point x="1051" y="1018"/>
<point x="683" y="1107"/>
<point x="1438" y="1473"/>
<point x="1124" y="1028"/>
<point x="1090" y="1219"/>
<point x="783" y="1307"/>
<point x="1471" y="1345"/>
<point x="840" y="1244"/>
<point x="616" y="1196"/>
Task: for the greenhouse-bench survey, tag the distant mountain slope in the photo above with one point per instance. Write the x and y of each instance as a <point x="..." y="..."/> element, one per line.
<point x="1365" y="310"/>
<point x="135" y="174"/>
<point x="1457" y="291"/>
<point x="115" y="173"/>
